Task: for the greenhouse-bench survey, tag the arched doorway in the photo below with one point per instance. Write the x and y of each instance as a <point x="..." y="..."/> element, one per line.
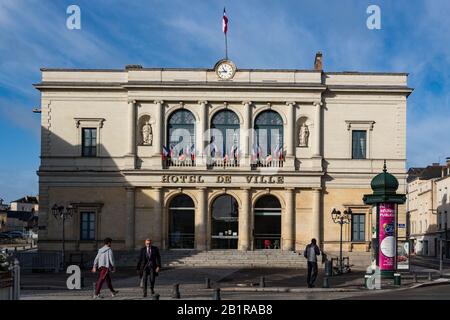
<point x="181" y="222"/>
<point x="224" y="222"/>
<point x="267" y="227"/>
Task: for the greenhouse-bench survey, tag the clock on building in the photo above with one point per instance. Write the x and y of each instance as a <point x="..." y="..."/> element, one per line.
<point x="225" y="69"/>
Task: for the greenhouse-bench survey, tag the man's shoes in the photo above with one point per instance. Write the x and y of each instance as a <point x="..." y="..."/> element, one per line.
<point x="153" y="291"/>
<point x="145" y="295"/>
<point x="97" y="296"/>
<point x="310" y="286"/>
<point x="114" y="293"/>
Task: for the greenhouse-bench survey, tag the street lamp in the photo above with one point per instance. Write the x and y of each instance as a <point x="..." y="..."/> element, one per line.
<point x="61" y="212"/>
<point x="341" y="218"/>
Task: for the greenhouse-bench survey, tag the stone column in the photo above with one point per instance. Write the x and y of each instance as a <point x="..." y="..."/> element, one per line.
<point x="159" y="235"/>
<point x="159" y="127"/>
<point x="201" y="219"/>
<point x="245" y="135"/>
<point x="315" y="232"/>
<point x="288" y="221"/>
<point x="131" y="153"/>
<point x="201" y="140"/>
<point x="244" y="221"/>
<point x="130" y="210"/>
<point x="290" y="136"/>
<point x="317" y="130"/>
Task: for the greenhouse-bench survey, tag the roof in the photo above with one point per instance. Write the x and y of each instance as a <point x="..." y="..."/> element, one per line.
<point x="209" y="69"/>
<point x="27" y="199"/>
<point x="427" y="173"/>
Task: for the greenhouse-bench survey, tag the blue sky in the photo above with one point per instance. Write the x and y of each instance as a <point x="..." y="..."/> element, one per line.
<point x="414" y="38"/>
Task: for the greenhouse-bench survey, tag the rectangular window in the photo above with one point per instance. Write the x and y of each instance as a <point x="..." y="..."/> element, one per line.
<point x="358" y="227"/>
<point x="87" y="228"/>
<point x="89" y="142"/>
<point x="359" y="139"/>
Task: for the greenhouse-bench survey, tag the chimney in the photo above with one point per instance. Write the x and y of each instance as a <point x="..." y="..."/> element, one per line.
<point x="318" y="63"/>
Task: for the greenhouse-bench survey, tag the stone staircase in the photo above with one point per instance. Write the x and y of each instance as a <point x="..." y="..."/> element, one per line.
<point x="235" y="258"/>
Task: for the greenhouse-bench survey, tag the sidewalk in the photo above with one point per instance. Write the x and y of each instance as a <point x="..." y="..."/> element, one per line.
<point x="192" y="283"/>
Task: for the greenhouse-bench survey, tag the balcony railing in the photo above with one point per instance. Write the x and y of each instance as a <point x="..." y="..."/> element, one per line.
<point x="223" y="163"/>
<point x="263" y="163"/>
<point x="179" y="163"/>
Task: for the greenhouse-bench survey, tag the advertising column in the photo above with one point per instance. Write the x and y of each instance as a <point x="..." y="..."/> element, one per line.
<point x="387" y="238"/>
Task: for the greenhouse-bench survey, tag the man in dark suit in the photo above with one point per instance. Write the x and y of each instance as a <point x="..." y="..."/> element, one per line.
<point x="149" y="265"/>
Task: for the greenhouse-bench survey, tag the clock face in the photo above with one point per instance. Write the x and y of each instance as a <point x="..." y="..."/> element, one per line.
<point x="225" y="70"/>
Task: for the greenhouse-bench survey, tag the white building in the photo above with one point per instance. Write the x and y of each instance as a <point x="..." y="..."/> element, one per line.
<point x="427" y="206"/>
<point x="308" y="141"/>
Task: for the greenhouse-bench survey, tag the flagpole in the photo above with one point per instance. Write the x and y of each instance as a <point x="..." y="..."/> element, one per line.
<point x="226" y="47"/>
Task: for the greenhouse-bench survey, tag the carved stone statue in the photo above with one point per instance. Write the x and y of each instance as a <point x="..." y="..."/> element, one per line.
<point x="147" y="134"/>
<point x="303" y="136"/>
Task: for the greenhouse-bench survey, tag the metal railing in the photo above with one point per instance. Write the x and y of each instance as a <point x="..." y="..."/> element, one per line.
<point x="223" y="163"/>
<point x="263" y="163"/>
<point x="179" y="163"/>
<point x="10" y="282"/>
<point x="40" y="261"/>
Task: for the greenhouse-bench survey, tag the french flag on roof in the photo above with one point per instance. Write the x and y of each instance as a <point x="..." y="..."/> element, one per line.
<point x="225" y="22"/>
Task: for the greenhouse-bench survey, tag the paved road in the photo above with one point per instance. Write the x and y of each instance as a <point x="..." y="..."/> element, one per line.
<point x="438" y="292"/>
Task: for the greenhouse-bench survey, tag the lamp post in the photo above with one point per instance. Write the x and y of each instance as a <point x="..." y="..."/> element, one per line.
<point x="341" y="219"/>
<point x="61" y="212"/>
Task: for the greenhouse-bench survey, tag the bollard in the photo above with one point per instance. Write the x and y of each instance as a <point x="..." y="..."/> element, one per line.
<point x="262" y="282"/>
<point x="366" y="278"/>
<point x="208" y="283"/>
<point x="430" y="277"/>
<point x="414" y="277"/>
<point x="397" y="279"/>
<point x="155" y="296"/>
<point x="176" y="291"/>
<point x="326" y="282"/>
<point x="82" y="281"/>
<point x="216" y="294"/>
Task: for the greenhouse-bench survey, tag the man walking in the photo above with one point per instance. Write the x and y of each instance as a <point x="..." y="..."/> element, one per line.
<point x="311" y="253"/>
<point x="104" y="262"/>
<point x="149" y="265"/>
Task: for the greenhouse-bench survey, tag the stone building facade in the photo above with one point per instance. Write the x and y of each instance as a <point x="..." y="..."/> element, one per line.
<point x="216" y="158"/>
<point x="428" y="209"/>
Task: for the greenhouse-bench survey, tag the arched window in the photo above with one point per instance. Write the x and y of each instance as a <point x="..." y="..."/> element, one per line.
<point x="181" y="222"/>
<point x="224" y="228"/>
<point x="269" y="134"/>
<point x="181" y="135"/>
<point x="267" y="223"/>
<point x="225" y="135"/>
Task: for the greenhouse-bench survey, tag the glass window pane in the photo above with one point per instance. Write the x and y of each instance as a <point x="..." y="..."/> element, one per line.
<point x="87" y="228"/>
<point x="269" y="134"/>
<point x="358" y="227"/>
<point x="89" y="142"/>
<point x="359" y="144"/>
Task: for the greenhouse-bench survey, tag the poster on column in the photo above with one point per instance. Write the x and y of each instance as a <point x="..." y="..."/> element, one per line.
<point x="388" y="248"/>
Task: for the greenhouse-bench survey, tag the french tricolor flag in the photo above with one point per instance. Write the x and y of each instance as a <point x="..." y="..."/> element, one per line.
<point x="225" y="22"/>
